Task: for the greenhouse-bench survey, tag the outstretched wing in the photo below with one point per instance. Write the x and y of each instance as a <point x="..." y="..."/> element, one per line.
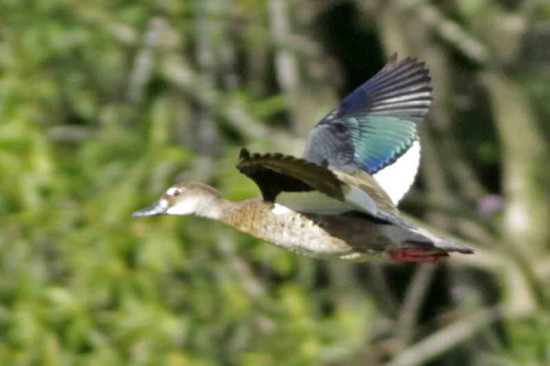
<point x="276" y="173"/>
<point x="308" y="187"/>
<point x="377" y="123"/>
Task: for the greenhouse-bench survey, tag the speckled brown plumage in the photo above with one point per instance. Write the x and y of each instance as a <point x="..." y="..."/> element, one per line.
<point x="353" y="236"/>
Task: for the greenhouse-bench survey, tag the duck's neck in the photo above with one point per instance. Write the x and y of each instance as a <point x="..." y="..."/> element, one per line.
<point x="216" y="208"/>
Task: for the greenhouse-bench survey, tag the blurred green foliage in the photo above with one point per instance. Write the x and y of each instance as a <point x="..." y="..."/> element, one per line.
<point x="82" y="283"/>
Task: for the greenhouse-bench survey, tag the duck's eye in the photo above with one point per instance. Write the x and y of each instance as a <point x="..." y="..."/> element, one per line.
<point x="174" y="191"/>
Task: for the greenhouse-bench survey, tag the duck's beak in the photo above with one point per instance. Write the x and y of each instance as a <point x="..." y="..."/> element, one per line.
<point x="154" y="210"/>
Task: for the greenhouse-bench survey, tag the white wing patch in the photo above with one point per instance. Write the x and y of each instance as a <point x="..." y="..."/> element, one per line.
<point x="397" y="178"/>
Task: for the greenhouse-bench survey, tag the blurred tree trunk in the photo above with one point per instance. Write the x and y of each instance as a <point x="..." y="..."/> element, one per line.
<point x="524" y="146"/>
<point x="524" y="149"/>
<point x="206" y="140"/>
<point x="525" y="164"/>
<point x="227" y="54"/>
<point x="526" y="176"/>
<point x="301" y="65"/>
<point x="286" y="63"/>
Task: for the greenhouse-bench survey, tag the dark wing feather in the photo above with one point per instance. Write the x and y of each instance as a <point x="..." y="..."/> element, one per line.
<point x="375" y="124"/>
<point x="276" y="173"/>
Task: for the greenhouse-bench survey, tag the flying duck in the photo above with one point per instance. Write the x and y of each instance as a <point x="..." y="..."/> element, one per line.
<point x="339" y="200"/>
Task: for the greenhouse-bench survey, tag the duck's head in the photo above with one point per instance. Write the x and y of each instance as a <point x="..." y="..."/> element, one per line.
<point x="184" y="199"/>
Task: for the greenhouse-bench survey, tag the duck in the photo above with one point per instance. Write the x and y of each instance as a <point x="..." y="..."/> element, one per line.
<point x="339" y="201"/>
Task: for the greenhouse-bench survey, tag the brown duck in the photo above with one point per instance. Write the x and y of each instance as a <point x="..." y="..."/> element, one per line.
<point x="339" y="201"/>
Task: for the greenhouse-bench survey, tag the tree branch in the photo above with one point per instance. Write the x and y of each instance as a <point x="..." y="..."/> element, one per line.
<point x="445" y="339"/>
<point x="406" y="321"/>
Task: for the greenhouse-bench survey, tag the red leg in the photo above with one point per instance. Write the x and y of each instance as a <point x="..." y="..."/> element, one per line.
<point x="416" y="255"/>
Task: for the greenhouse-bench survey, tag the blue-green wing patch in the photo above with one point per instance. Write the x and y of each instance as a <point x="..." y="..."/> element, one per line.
<point x="375" y="124"/>
<point x="379" y="141"/>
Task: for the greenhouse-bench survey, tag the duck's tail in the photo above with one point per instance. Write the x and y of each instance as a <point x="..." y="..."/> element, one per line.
<point x="443" y="244"/>
<point x="432" y="240"/>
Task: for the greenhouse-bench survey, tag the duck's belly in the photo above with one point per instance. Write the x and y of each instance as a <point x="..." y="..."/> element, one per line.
<point x="296" y="232"/>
